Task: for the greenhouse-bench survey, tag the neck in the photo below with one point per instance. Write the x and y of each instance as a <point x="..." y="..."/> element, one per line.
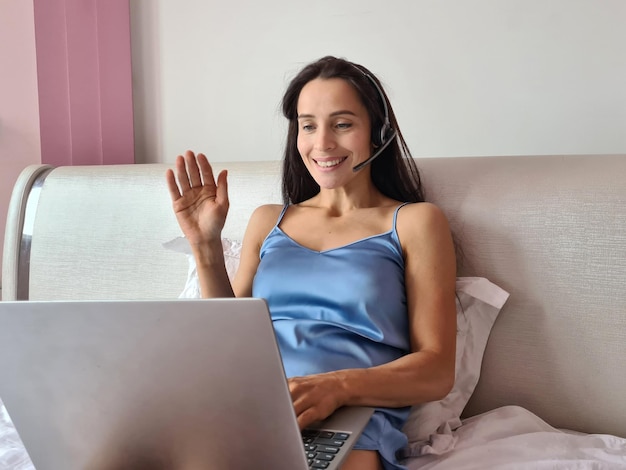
<point x="342" y="200"/>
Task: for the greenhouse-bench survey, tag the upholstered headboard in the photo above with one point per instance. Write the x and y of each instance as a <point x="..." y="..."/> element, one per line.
<point x="551" y="230"/>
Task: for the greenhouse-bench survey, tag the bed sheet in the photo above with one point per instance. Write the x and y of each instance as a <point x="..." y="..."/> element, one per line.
<point x="513" y="438"/>
<point x="13" y="456"/>
<point x="508" y="438"/>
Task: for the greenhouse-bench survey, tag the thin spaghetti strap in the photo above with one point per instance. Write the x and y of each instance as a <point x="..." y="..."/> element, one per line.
<point x="282" y="213"/>
<point x="395" y="214"/>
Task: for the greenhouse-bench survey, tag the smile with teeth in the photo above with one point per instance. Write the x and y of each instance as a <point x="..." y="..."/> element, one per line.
<point x="331" y="163"/>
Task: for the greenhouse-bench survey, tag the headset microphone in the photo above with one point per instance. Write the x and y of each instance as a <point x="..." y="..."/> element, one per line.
<point x="376" y="154"/>
<point x="387" y="133"/>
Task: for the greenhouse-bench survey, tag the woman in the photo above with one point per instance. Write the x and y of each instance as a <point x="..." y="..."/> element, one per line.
<point x="358" y="271"/>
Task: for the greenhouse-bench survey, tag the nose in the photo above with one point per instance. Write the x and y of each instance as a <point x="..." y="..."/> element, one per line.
<point x="324" y="139"/>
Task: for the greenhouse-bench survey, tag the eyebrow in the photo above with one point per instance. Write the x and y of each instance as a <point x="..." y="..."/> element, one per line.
<point x="336" y="113"/>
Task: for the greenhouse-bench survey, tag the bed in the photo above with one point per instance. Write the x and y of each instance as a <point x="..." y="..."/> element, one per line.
<point x="541" y="372"/>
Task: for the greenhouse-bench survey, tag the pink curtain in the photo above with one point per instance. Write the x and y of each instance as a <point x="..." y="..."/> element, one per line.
<point x="84" y="81"/>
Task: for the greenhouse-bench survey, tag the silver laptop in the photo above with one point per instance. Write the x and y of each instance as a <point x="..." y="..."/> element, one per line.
<point x="181" y="384"/>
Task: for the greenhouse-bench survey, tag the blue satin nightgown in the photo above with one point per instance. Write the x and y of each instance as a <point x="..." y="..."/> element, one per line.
<point x="338" y="309"/>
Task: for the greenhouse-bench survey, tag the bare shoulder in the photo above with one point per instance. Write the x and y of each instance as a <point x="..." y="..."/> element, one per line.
<point x="422" y="216"/>
<point x="266" y="214"/>
<point x="422" y="223"/>
<point x="261" y="222"/>
<point x="266" y="211"/>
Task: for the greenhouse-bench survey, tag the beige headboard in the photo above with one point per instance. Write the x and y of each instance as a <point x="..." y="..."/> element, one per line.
<point x="549" y="230"/>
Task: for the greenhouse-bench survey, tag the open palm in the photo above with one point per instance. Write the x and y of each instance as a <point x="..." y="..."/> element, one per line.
<point x="200" y="204"/>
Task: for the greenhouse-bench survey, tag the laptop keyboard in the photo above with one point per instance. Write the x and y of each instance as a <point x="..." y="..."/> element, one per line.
<point x="321" y="447"/>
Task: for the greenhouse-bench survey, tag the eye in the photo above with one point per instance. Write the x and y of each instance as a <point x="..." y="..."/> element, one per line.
<point x="343" y="125"/>
<point x="306" y="127"/>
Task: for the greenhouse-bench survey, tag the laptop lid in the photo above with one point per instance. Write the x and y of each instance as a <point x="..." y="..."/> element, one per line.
<point x="149" y="384"/>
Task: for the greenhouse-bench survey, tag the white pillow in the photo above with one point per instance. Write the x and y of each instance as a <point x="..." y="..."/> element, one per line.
<point x="478" y="303"/>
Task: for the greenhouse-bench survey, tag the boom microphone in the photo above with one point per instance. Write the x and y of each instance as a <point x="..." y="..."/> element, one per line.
<point x="377" y="153"/>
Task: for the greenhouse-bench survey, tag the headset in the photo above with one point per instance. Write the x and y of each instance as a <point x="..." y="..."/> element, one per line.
<point x="382" y="139"/>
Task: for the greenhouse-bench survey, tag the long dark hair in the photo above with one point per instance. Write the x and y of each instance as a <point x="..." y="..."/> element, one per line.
<point x="394" y="172"/>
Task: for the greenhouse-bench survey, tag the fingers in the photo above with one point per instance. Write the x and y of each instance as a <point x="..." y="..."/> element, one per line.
<point x="192" y="168"/>
<point x="308" y="412"/>
<point x="188" y="168"/>
<point x="308" y="417"/>
<point x="171" y="185"/>
<point x="191" y="171"/>
<point x="311" y="400"/>
<point x="222" y="188"/>
<point x="205" y="169"/>
<point x="181" y="174"/>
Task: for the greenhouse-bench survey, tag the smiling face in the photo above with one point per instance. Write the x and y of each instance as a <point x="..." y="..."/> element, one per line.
<point x="333" y="131"/>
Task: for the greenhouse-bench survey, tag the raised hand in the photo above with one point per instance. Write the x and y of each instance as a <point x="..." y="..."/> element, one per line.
<point x="200" y="204"/>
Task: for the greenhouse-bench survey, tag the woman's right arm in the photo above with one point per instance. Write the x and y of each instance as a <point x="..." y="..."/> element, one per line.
<point x="201" y="205"/>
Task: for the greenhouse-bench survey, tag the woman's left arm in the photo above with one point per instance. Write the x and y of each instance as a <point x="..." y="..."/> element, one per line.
<point x="425" y="374"/>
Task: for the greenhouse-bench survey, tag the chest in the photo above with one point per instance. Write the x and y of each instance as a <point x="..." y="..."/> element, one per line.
<point x="320" y="231"/>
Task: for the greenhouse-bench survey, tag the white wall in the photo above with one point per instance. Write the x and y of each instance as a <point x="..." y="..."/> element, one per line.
<point x="466" y="77"/>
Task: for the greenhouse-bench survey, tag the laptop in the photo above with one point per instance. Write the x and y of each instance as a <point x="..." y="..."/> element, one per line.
<point x="180" y="384"/>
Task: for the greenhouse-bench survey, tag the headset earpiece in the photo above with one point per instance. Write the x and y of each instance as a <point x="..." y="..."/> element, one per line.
<point x="386" y="134"/>
<point x="386" y="131"/>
